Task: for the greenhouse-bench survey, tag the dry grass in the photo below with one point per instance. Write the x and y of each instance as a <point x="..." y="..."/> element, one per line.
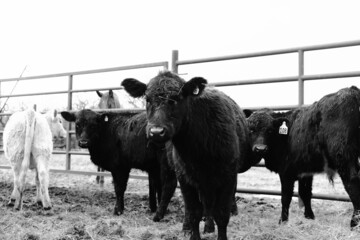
<point x="82" y="210"/>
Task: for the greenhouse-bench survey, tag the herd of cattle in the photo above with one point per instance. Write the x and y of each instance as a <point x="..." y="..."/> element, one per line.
<point x="199" y="137"/>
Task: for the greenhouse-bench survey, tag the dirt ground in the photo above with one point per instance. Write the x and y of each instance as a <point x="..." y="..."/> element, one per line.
<point x="84" y="210"/>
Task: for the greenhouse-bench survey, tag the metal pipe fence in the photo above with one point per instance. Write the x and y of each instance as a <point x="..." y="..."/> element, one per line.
<point x="70" y="75"/>
<point x="300" y="78"/>
<point x="175" y="64"/>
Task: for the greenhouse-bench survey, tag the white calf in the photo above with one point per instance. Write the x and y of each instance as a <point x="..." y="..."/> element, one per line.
<point x="28" y="144"/>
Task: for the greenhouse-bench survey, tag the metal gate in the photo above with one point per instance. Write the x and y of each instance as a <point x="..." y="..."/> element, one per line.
<point x="175" y="64"/>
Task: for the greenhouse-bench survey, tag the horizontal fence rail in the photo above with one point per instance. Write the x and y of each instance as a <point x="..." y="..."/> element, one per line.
<point x="175" y="64"/>
<point x="103" y="70"/>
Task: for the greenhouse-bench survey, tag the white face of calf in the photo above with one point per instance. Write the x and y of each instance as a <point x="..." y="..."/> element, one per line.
<point x="57" y="130"/>
<point x="108" y="100"/>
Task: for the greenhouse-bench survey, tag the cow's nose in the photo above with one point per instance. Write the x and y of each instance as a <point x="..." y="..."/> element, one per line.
<point x="260" y="148"/>
<point x="157" y="131"/>
<point x="83" y="143"/>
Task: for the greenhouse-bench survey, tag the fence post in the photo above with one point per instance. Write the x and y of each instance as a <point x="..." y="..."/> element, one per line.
<point x="174" y="59"/>
<point x="301" y="74"/>
<point x="68" y="135"/>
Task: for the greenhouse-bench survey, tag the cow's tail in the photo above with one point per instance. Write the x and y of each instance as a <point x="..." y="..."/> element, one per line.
<point x="29" y="137"/>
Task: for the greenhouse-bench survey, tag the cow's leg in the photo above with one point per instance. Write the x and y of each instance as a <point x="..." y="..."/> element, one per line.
<point x="19" y="185"/>
<point x="120" y="177"/>
<point x="305" y="193"/>
<point x="158" y="188"/>
<point x="168" y="182"/>
<point x="193" y="210"/>
<point x="222" y="208"/>
<point x="209" y="226"/>
<point x="15" y="195"/>
<point x="100" y="179"/>
<point x="350" y="177"/>
<point x="43" y="175"/>
<point x="39" y="196"/>
<point x="234" y="208"/>
<point x="287" y="191"/>
<point x="152" y="192"/>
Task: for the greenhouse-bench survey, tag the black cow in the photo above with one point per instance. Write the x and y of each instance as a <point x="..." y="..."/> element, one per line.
<point x="117" y="142"/>
<point x="206" y="131"/>
<point x="322" y="137"/>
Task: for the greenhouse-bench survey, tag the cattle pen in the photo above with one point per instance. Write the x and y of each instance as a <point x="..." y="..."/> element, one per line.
<point x="176" y="63"/>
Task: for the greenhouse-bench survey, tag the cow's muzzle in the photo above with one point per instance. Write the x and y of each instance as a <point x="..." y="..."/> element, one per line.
<point x="157" y="134"/>
<point x="83" y="143"/>
<point x="260" y="149"/>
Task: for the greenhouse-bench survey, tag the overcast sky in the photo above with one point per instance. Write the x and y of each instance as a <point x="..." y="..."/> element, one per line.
<point x="62" y="36"/>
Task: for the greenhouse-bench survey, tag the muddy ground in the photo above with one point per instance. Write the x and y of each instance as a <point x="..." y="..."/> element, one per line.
<point x="84" y="210"/>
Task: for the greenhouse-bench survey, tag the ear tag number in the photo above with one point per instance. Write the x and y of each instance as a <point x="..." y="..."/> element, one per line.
<point x="106" y="119"/>
<point x="283" y="130"/>
<point x="196" y="91"/>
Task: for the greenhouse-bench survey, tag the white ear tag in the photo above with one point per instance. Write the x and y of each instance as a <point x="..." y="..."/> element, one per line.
<point x="196" y="91"/>
<point x="283" y="129"/>
<point x="106" y="119"/>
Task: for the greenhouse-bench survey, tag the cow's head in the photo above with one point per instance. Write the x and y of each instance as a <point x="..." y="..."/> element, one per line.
<point x="108" y="100"/>
<point x="167" y="101"/>
<point x="264" y="130"/>
<point x="87" y="123"/>
<point x="57" y="129"/>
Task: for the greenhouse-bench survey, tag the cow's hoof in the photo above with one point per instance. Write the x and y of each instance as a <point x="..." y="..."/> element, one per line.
<point x="11" y="203"/>
<point x="309" y="216"/>
<point x="355" y="223"/>
<point x="354" y="226"/>
<point x="282" y="221"/>
<point x="39" y="203"/>
<point x="157" y="217"/>
<point x="118" y="212"/>
<point x="47" y="208"/>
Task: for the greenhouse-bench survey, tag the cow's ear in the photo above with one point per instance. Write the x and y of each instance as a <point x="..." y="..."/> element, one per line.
<point x="134" y="87"/>
<point x="247" y="112"/>
<point x="194" y="87"/>
<point x="68" y="116"/>
<point x="99" y="93"/>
